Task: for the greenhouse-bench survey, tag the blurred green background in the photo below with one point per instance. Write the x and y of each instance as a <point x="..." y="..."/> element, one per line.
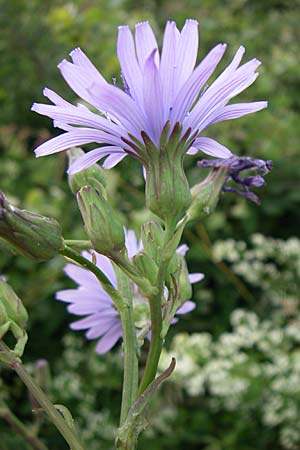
<point x="237" y="385"/>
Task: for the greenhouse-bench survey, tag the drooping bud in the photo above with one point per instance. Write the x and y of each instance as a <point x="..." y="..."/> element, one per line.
<point x="206" y="194"/>
<point x="101" y="221"/>
<point x="167" y="189"/>
<point x="92" y="176"/>
<point x="30" y="234"/>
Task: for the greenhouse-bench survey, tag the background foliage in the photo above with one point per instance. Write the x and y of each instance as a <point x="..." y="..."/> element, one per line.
<point x="231" y="392"/>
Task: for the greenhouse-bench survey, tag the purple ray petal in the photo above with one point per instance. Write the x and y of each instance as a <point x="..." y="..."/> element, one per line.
<point x="75" y="115"/>
<point x="106" y="266"/>
<point x="81" y="276"/>
<point x="238" y="110"/>
<point x="191" y="88"/>
<point x="129" y="65"/>
<point x="186" y="307"/>
<point x="55" y="98"/>
<point x="210" y="147"/>
<point x="83" y="295"/>
<point x="167" y="67"/>
<point x="113" y="160"/>
<point x="81" y="309"/>
<point x="132" y="244"/>
<point x="80" y="59"/>
<point x="77" y="80"/>
<point x="195" y="277"/>
<point x="145" y="43"/>
<point x="85" y="323"/>
<point x="153" y="99"/>
<point x="109" y="339"/>
<point x="186" y="53"/>
<point x="103" y="325"/>
<point x="92" y="157"/>
<point x="116" y="102"/>
<point x="182" y="249"/>
<point x="218" y="94"/>
<point x="75" y="138"/>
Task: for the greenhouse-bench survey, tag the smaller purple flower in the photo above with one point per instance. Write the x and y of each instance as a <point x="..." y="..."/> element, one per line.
<point x="235" y="166"/>
<point x="102" y="320"/>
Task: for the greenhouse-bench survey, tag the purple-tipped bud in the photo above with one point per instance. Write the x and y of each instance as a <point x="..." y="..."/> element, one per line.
<point x="32" y="235"/>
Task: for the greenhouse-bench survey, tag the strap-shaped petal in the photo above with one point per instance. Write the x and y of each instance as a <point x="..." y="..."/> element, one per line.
<point x="238" y="110"/>
<point x="191" y="88"/>
<point x="120" y="105"/>
<point x="109" y="339"/>
<point x="114" y="159"/>
<point x="210" y="147"/>
<point x="93" y="156"/>
<point x="74" y="138"/>
<point x="74" y="115"/>
<point x="218" y="94"/>
<point x="80" y="59"/>
<point x="145" y="43"/>
<point x="129" y="64"/>
<point x="186" y="53"/>
<point x="153" y="99"/>
<point x="78" y="80"/>
<point x="167" y="67"/>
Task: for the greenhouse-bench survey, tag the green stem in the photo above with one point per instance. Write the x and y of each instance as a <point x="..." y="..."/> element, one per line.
<point x="130" y="377"/>
<point x="78" y="244"/>
<point x="41" y="398"/>
<point x="105" y="282"/>
<point x="128" y="327"/>
<point x="155" y="308"/>
<point x="24" y="431"/>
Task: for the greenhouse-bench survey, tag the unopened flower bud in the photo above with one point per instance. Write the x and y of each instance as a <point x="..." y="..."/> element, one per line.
<point x="146" y="266"/>
<point x="185" y="287"/>
<point x="92" y="176"/>
<point x="13" y="318"/>
<point x="30" y="234"/>
<point x="12" y="305"/>
<point x="206" y="194"/>
<point x="101" y="221"/>
<point x="152" y="236"/>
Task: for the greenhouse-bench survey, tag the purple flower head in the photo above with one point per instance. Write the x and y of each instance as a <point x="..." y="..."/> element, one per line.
<point x="159" y="88"/>
<point x="102" y="320"/>
<point x="235" y="166"/>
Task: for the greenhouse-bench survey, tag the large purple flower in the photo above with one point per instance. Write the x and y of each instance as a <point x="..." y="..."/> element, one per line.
<point x="102" y="319"/>
<point x="158" y="88"/>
